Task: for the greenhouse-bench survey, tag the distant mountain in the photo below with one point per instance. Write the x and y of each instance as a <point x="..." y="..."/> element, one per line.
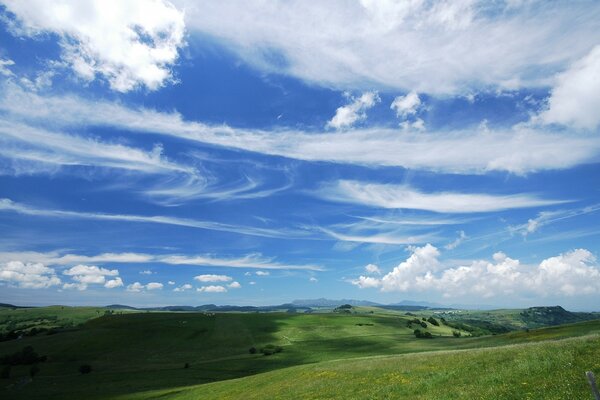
<point x="120" y="307"/>
<point x="332" y="303"/>
<point x="419" y="304"/>
<point x="556" y="315"/>
<point x="5" y="305"/>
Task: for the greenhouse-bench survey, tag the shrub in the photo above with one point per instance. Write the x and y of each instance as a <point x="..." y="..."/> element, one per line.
<point x="271" y="349"/>
<point x="422" y="335"/>
<point x="252" y="350"/>
<point x="33" y="371"/>
<point x="186" y="365"/>
<point x="85" y="369"/>
<point x="456" y="333"/>
<point x="24" y="357"/>
<point x="433" y="321"/>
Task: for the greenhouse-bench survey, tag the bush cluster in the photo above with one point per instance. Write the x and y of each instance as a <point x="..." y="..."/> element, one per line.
<point x="422" y="335"/>
<point x="271" y="349"/>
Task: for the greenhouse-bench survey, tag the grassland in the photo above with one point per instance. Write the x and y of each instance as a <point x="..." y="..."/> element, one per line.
<point x="142" y="354"/>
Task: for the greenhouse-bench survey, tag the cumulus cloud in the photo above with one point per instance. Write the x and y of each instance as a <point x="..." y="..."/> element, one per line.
<point x="213" y="278"/>
<point x="84" y="275"/>
<point x="405" y="197"/>
<point x="313" y="279"/>
<point x="28" y="275"/>
<point x="234" y="285"/>
<point x="139" y="287"/>
<point x="372" y="269"/>
<point x="129" y="43"/>
<point x="262" y="273"/>
<point x="183" y="288"/>
<point x="575" y="98"/>
<point x="355" y="111"/>
<point x="568" y="274"/>
<point x="406" y="105"/>
<point x="212" y="289"/>
<point x="113" y="283"/>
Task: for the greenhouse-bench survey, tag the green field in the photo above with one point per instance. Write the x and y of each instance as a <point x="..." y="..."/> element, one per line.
<point x="142" y="355"/>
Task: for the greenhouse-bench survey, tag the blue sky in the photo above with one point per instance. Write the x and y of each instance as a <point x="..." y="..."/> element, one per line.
<point x="156" y="153"/>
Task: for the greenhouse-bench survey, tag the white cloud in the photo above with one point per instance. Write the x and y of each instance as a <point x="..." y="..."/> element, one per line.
<point x="262" y="273"/>
<point x="441" y="47"/>
<point x="129" y="43"/>
<point x="171" y="282"/>
<point x="372" y="269"/>
<point x="575" y="98"/>
<point x="253" y="260"/>
<point x="234" y="285"/>
<point x="138" y="287"/>
<point x="9" y="205"/>
<point x="348" y="115"/>
<point x="456" y="242"/>
<point x="406" y="105"/>
<point x="570" y="274"/>
<point x="212" y="289"/>
<point x="405" y="197"/>
<point x="313" y="279"/>
<point x="183" y="288"/>
<point x="154" y="286"/>
<point x="135" y="287"/>
<point x="213" y="278"/>
<point x="4" y="67"/>
<point x="519" y="150"/>
<point x="146" y="272"/>
<point x="549" y="217"/>
<point x="28" y="275"/>
<point x="251" y="283"/>
<point x="84" y="275"/>
<point x="113" y="283"/>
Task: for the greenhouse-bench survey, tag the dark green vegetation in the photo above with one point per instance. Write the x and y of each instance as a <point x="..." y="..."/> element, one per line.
<point x="132" y="354"/>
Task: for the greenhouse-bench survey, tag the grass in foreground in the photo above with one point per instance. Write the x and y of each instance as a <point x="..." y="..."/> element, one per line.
<point x="547" y="370"/>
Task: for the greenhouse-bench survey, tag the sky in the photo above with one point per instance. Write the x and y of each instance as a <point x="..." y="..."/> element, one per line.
<point x="253" y="153"/>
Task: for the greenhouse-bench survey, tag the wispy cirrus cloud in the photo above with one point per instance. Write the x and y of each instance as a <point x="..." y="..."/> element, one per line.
<point x="519" y="150"/>
<point x="393" y="196"/>
<point x="9" y="206"/>
<point x="249" y="261"/>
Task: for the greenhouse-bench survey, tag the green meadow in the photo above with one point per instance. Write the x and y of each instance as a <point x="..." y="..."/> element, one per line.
<point x="362" y="353"/>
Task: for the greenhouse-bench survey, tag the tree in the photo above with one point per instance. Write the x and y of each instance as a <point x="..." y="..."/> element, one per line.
<point x="433" y="321"/>
<point x="186" y="365"/>
<point x="456" y="333"/>
<point x="33" y="371"/>
<point x="85" y="369"/>
<point x="252" y="350"/>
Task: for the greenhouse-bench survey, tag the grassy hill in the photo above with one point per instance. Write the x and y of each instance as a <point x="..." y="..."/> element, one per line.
<point x="145" y="352"/>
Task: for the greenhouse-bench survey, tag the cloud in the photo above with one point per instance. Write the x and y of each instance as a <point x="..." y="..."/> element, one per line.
<point x="135" y="287"/>
<point x="549" y="217"/>
<point x="212" y="289"/>
<point x="405" y="197"/>
<point x="520" y="149"/>
<point x="372" y="269"/>
<point x="348" y="115"/>
<point x="573" y="273"/>
<point x="84" y="275"/>
<point x="9" y="205"/>
<point x="171" y="282"/>
<point x="183" y="288"/>
<point x="138" y="287"/>
<point x="129" y="43"/>
<point x="113" y="283"/>
<point x="313" y="279"/>
<point x="146" y="272"/>
<point x="406" y="105"/>
<point x="4" y="66"/>
<point x="234" y="285"/>
<point x="432" y="47"/>
<point x="392" y="238"/>
<point x="28" y="275"/>
<point x="154" y="286"/>
<point x="457" y="242"/>
<point x="253" y="260"/>
<point x="262" y="273"/>
<point x="575" y="98"/>
<point x="213" y="278"/>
